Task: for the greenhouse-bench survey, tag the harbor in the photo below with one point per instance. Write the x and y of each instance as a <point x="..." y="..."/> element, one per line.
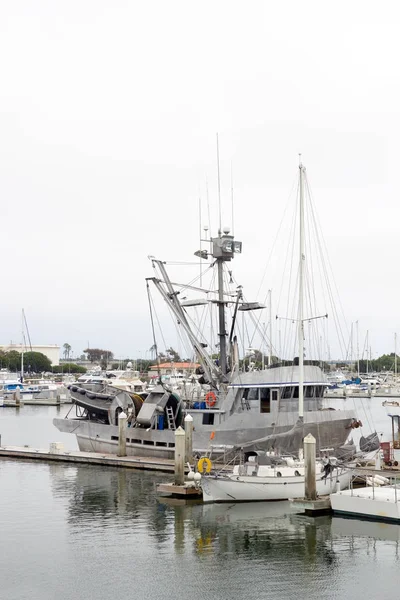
<point x="199" y="353"/>
<point x="91" y="507"/>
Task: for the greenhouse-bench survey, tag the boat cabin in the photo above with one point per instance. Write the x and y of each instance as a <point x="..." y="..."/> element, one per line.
<point x="263" y="391"/>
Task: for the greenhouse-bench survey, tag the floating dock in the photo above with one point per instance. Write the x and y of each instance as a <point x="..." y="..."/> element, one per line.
<point x="55" y="454"/>
<point x="33" y="402"/>
<point x="187" y="490"/>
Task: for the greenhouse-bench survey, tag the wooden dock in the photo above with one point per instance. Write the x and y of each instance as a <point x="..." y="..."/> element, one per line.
<point x="187" y="490"/>
<point x="33" y="402"/>
<point x="92" y="458"/>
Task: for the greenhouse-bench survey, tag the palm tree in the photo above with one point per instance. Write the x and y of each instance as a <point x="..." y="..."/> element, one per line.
<point x="67" y="350"/>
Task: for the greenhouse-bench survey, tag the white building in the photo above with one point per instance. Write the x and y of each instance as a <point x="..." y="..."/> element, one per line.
<point x="52" y="351"/>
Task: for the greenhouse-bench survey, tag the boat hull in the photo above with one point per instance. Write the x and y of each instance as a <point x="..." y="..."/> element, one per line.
<point x="369" y="503"/>
<point x="98" y="437"/>
<point x="232" y="488"/>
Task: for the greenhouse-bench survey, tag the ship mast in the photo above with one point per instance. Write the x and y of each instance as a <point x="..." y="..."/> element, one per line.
<point x="22" y="346"/>
<point x="221" y="317"/>
<point x="301" y="299"/>
<point x="224" y="247"/>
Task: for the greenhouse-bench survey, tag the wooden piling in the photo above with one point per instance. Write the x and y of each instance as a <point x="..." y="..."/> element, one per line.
<point x="188" y="438"/>
<point x="309" y="464"/>
<point x="122" y="418"/>
<point x="179" y="456"/>
<point x="17" y="396"/>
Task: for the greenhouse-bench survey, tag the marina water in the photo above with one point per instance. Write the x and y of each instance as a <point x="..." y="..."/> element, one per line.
<point x="90" y="532"/>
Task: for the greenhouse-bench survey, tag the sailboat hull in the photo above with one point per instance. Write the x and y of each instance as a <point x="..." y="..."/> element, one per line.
<point x="248" y="489"/>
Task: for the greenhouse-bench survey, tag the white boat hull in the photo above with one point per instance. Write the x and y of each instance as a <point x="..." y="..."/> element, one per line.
<point x="373" y="503"/>
<point x="233" y="488"/>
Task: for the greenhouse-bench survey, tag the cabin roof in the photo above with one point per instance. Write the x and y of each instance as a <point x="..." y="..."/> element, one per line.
<point x="280" y="377"/>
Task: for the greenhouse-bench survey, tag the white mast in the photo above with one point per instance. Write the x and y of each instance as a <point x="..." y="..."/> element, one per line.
<point x="358" y="352"/>
<point x="367" y="344"/>
<point x="263" y="348"/>
<point x="270" y="328"/>
<point x="395" y="355"/>
<point x="351" y="348"/>
<point x="22" y="346"/>
<point x="301" y="277"/>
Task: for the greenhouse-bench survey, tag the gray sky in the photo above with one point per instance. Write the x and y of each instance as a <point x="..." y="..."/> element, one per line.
<point x="108" y="115"/>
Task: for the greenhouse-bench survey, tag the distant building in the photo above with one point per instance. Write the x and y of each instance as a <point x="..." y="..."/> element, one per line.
<point x="52" y="351"/>
<point x="174" y="368"/>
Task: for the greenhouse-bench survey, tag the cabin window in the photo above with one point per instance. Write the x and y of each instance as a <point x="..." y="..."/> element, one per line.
<point x="208" y="418"/>
<point x="265" y="400"/>
<point x="286" y="393"/>
<point x="275" y="394"/>
<point x="250" y="394"/>
<point x="250" y="398"/>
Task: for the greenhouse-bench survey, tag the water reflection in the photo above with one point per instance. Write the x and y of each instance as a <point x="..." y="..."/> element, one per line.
<point x="126" y="501"/>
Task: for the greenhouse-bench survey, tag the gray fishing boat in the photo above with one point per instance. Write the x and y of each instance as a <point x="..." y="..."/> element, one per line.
<point x="251" y="409"/>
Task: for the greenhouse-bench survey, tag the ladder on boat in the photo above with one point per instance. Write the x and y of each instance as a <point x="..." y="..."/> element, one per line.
<point x="170" y="418"/>
<point x="245" y="404"/>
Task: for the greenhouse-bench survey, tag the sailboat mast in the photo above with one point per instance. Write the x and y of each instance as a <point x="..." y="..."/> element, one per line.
<point x="367" y="350"/>
<point x="301" y="293"/>
<point x="270" y="328"/>
<point x="22" y="348"/>
<point x="358" y="352"/>
<point x="395" y="355"/>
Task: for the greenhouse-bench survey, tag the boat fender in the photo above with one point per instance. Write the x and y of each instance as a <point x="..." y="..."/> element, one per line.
<point x="279" y="474"/>
<point x="211" y="399"/>
<point x="81" y="391"/>
<point x="91" y="395"/>
<point x="204" y="465"/>
<point x="297" y="474"/>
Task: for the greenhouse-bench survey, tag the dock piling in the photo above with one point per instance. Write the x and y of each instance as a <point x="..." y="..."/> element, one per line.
<point x="188" y="438"/>
<point x="122" y="418"/>
<point x="17" y="397"/>
<point x="179" y="456"/>
<point x="309" y="463"/>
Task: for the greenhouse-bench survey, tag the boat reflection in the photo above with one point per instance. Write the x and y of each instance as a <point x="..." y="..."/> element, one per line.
<point x="98" y="499"/>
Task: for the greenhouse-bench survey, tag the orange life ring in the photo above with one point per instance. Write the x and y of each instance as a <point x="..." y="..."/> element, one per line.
<point x="211" y="399"/>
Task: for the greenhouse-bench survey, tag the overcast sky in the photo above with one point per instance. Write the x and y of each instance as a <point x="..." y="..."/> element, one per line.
<point x="108" y="116"/>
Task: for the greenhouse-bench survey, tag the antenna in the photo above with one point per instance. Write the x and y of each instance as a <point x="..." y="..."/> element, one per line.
<point x="219" y="188"/>
<point x="208" y="205"/>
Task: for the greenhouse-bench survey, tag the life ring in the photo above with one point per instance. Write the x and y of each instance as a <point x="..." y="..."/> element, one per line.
<point x="204" y="464"/>
<point x="211" y="399"/>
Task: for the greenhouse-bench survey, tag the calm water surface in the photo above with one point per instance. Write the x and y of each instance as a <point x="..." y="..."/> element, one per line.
<point x="73" y="532"/>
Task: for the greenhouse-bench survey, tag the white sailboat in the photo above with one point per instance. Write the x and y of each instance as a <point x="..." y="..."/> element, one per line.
<point x="265" y="476"/>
